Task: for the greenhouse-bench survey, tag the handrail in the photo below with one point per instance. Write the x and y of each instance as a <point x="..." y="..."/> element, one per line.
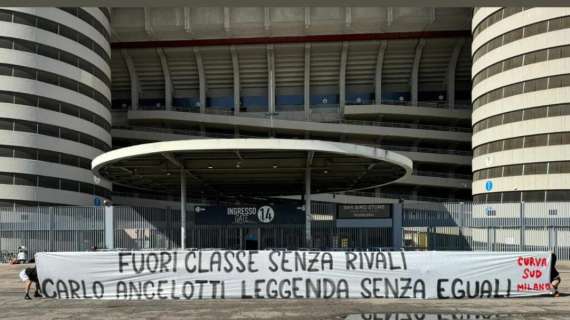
<point x="406" y="125"/>
<point x="451" y="175"/>
<point x="437" y="104"/>
<point x="349" y="122"/>
<point x="349" y="193"/>
<point x="396" y="196"/>
<point x="205" y="134"/>
<point x="428" y="150"/>
<point x="196" y="133"/>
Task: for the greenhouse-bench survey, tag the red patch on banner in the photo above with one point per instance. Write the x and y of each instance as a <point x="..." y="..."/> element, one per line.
<point x="532" y="262"/>
<point x="533" y="286"/>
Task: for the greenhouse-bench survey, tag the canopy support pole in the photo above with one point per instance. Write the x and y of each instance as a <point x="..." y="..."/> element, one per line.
<point x="182" y="209"/>
<point x="308" y="215"/>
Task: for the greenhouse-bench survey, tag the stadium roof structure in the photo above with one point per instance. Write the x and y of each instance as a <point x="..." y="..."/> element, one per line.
<point x="281" y="3"/>
<point x="251" y="167"/>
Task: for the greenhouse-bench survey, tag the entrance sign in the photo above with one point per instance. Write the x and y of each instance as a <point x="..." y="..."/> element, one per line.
<point x="224" y="274"/>
<point x="250" y="215"/>
<point x="364" y="211"/>
<point x="265" y="214"/>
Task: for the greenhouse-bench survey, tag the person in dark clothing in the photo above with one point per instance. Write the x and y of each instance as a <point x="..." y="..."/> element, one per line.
<point x="554" y="275"/>
<point x="29" y="276"/>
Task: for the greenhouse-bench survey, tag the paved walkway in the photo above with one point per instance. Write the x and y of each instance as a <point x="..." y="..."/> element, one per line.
<point x="13" y="306"/>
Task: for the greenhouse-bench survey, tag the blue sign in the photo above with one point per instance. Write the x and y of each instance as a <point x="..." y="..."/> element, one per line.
<point x="97" y="202"/>
<point x="489" y="185"/>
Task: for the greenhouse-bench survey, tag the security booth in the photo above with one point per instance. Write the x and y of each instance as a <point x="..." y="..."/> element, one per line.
<point x="257" y="174"/>
<point x="366" y="219"/>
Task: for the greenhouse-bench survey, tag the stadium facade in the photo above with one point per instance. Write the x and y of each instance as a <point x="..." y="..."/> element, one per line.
<point x="395" y="78"/>
<point x="56" y="104"/>
<point x="80" y="81"/>
<point x="521" y="104"/>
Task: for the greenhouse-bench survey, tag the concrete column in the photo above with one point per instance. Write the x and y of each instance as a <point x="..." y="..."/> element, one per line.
<point x="51" y="235"/>
<point x="227" y="19"/>
<point x="76" y="242"/>
<point x="552" y="238"/>
<point x="1" y="229"/>
<point x="148" y="22"/>
<point x="135" y="87"/>
<point x="430" y="237"/>
<point x="342" y="78"/>
<point x="378" y="77"/>
<point x="489" y="238"/>
<point x="271" y="78"/>
<point x="201" y="79"/>
<point x="461" y="225"/>
<point x="307" y="17"/>
<point x="414" y="78"/>
<point x="182" y="209"/>
<point x="169" y="240"/>
<point x="187" y="19"/>
<point x="237" y="95"/>
<point x="522" y="227"/>
<point x="451" y="70"/>
<point x="167" y="80"/>
<point x="347" y="18"/>
<point x="267" y="19"/>
<point x="241" y="246"/>
<point x="308" y="215"/>
<point x="397" y="230"/>
<point x="109" y="228"/>
<point x="307" y="82"/>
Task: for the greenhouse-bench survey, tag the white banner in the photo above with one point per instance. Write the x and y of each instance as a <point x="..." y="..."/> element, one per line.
<point x="224" y="274"/>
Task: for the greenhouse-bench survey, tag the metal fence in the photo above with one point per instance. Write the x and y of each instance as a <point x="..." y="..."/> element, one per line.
<point x="426" y="226"/>
<point x="491" y="227"/>
<point x="50" y="229"/>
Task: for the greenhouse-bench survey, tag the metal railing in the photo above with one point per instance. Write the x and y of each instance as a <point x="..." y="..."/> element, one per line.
<point x="439" y="174"/>
<point x="186" y="132"/>
<point x="209" y="134"/>
<point x="398" y="196"/>
<point x="424" y="149"/>
<point x="438" y="104"/>
<point x="426" y="226"/>
<point x="406" y="125"/>
<point x="299" y="116"/>
<point x="492" y="227"/>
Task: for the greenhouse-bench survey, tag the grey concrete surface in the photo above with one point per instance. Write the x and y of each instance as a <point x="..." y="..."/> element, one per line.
<point x="13" y="306"/>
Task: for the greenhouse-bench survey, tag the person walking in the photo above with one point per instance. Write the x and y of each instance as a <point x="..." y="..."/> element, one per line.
<point x="554" y="275"/>
<point x="29" y="276"/>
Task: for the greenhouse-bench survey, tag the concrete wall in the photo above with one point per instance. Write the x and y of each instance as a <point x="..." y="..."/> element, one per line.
<point x="55" y="106"/>
<point x="533" y="29"/>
